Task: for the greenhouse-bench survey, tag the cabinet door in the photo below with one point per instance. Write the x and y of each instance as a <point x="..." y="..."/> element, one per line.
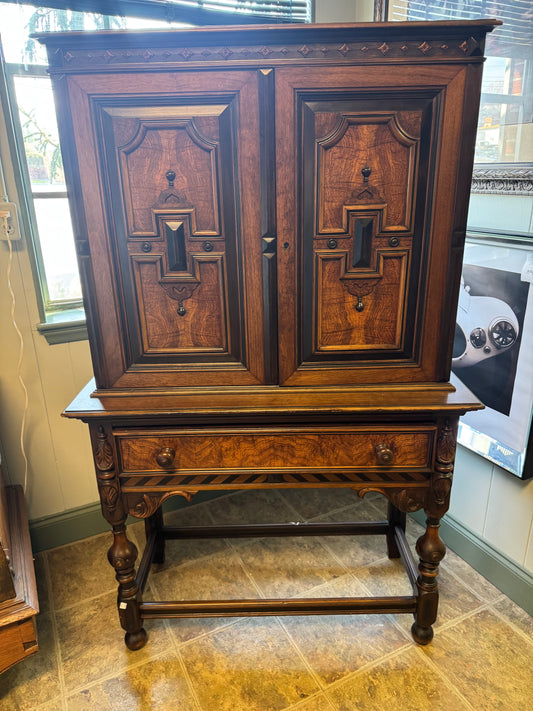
<point x="168" y="169"/>
<point x="366" y="249"/>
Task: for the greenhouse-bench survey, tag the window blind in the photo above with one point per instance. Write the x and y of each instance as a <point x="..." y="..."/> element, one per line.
<point x="517" y="16"/>
<point x="195" y="12"/>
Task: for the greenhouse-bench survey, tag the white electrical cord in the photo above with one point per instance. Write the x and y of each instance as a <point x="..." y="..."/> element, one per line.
<point x="21" y="353"/>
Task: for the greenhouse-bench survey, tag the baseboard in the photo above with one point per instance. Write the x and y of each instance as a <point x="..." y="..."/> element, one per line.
<point x="75" y="524"/>
<point x="509" y="577"/>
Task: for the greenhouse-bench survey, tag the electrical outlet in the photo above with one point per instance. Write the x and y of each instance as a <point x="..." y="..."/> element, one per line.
<point x="9" y="222"/>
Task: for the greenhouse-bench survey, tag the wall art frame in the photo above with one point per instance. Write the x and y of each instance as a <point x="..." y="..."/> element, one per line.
<point x="493" y="349"/>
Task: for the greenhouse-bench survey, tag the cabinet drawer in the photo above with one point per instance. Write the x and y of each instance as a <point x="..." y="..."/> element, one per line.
<point x="285" y="449"/>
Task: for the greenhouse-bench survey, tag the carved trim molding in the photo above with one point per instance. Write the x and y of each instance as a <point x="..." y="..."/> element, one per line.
<point x="503" y="180"/>
<point x="72" y="58"/>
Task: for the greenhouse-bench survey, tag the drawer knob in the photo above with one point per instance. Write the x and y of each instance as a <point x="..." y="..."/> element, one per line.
<point x="165" y="458"/>
<point x="384" y="454"/>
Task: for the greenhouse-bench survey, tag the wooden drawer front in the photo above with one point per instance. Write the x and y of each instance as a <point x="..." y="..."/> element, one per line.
<point x="285" y="449"/>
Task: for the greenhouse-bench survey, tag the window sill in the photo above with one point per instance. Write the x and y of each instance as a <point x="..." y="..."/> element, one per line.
<point x="64" y="327"/>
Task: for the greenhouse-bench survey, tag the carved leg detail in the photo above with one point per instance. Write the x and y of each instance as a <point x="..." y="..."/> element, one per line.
<point x="122" y="556"/>
<point x="154" y="524"/>
<point x="395" y="518"/>
<point x="431" y="550"/>
<point x="123" y="553"/>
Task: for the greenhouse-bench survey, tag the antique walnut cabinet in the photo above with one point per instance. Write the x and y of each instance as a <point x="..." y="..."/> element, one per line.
<point x="270" y="224"/>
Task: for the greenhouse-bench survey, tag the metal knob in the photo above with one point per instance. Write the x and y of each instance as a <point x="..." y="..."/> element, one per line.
<point x="384" y="454"/>
<point x="366" y="171"/>
<point x="165" y="458"/>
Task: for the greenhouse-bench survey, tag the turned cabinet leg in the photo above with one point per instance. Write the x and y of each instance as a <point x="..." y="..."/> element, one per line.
<point x="123" y="553"/>
<point x="154" y="524"/>
<point x="395" y="517"/>
<point x="431" y="551"/>
<point x="122" y="556"/>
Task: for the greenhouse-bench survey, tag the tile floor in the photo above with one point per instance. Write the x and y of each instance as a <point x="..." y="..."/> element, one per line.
<point x="480" y="659"/>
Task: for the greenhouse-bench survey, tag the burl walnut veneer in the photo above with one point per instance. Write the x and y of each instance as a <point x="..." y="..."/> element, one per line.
<point x="270" y="225"/>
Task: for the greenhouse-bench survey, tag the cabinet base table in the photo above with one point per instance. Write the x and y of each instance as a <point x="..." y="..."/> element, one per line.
<point x="180" y="445"/>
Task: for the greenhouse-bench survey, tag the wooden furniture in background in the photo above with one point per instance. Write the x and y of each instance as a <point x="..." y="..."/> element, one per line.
<point x="18" y="591"/>
<point x="270" y="225"/>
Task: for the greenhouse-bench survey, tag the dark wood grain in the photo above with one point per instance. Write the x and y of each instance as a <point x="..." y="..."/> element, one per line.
<point x="270" y="225"/>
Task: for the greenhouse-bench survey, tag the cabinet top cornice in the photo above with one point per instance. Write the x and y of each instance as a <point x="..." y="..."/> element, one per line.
<point x="267" y="45"/>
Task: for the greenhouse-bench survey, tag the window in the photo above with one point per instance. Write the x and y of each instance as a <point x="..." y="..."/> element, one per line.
<point x="29" y="111"/>
<point x="505" y="128"/>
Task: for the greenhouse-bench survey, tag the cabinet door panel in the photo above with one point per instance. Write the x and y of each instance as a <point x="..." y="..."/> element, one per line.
<point x="175" y="159"/>
<point x="176" y="190"/>
<point x="367" y="162"/>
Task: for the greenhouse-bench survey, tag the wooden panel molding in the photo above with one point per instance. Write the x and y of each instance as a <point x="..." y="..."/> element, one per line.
<point x="270" y="225"/>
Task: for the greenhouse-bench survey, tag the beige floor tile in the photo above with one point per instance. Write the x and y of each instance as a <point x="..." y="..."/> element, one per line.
<point x="388" y="577"/>
<point x="253" y="664"/>
<point x="413" y="530"/>
<point x="310" y="503"/>
<point x="183" y="629"/>
<point x="284" y="567"/>
<point x="384" y="577"/>
<point x="57" y="704"/>
<point x="188" y="550"/>
<point x="218" y="577"/>
<point x="92" y="642"/>
<point x="35" y="680"/>
<point x="315" y="703"/>
<point x="378" y="501"/>
<point x="487" y="661"/>
<point x="193" y="515"/>
<point x="252" y="506"/>
<point x="250" y="666"/>
<point x="470" y="577"/>
<point x="356" y="551"/>
<point x="80" y="570"/>
<point x="404" y="682"/>
<point x="196" y="515"/>
<point x="158" y="685"/>
<point x="337" y="645"/>
<point x="516" y="615"/>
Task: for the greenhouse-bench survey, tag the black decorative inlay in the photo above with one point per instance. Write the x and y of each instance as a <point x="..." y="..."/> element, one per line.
<point x="177" y="254"/>
<point x="362" y="242"/>
<point x="268" y="246"/>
